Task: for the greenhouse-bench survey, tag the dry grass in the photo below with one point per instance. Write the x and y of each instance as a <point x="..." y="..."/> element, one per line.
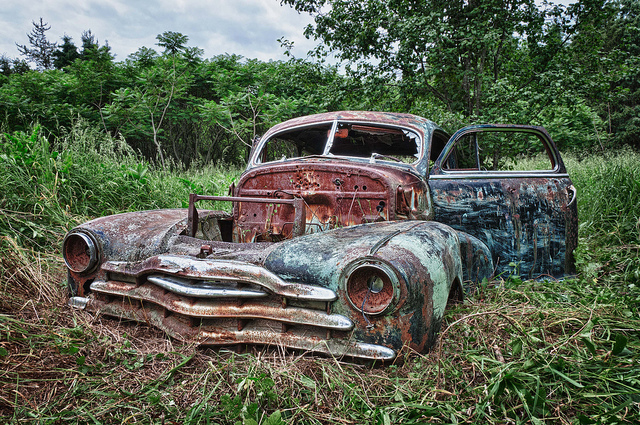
<point x="514" y="352"/>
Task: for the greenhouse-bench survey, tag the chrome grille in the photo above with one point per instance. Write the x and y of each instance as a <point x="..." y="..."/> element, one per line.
<point x="218" y="302"/>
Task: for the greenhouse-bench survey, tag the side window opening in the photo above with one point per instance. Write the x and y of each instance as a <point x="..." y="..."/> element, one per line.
<point x="499" y="151"/>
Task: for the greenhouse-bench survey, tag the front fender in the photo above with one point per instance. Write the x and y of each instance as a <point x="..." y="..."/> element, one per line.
<point x="122" y="237"/>
<point x="136" y="235"/>
<point x="422" y="258"/>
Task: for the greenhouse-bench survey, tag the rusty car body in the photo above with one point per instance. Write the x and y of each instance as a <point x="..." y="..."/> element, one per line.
<point x="350" y="233"/>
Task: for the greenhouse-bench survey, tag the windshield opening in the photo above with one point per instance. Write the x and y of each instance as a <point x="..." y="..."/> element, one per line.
<point x="349" y="140"/>
<point x="296" y="143"/>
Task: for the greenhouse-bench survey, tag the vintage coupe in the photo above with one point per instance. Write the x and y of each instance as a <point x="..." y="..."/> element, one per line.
<point x="350" y="233"/>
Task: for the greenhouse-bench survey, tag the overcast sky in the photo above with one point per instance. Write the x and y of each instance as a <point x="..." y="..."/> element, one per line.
<point x="249" y="28"/>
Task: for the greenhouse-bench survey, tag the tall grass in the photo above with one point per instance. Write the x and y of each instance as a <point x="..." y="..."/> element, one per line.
<point x="609" y="190"/>
<point x="514" y="352"/>
<point x="531" y="353"/>
<point x="52" y="185"/>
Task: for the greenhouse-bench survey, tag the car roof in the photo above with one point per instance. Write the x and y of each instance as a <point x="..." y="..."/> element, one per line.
<point x="389" y="118"/>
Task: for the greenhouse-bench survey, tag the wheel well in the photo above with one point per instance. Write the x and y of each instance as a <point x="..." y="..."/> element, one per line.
<point x="456" y="293"/>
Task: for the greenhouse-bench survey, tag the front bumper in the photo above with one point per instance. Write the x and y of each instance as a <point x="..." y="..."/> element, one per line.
<point x="223" y="302"/>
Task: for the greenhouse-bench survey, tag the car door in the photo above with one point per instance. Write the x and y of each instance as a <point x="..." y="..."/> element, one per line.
<point x="507" y="186"/>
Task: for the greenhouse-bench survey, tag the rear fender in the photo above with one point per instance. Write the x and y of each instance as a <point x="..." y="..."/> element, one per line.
<point x="477" y="263"/>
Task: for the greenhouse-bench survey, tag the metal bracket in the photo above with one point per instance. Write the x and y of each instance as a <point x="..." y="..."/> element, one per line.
<point x="299" y="220"/>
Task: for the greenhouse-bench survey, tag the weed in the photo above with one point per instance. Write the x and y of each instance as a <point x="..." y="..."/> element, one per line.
<point x="47" y="193"/>
<point x="515" y="352"/>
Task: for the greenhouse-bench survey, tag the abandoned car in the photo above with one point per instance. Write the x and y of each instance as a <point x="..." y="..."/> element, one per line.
<point x="349" y="234"/>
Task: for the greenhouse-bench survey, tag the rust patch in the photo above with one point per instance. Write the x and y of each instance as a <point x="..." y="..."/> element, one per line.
<point x="370" y="290"/>
<point x="334" y="194"/>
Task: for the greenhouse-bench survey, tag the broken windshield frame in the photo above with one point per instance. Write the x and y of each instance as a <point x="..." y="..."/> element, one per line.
<point x="353" y="140"/>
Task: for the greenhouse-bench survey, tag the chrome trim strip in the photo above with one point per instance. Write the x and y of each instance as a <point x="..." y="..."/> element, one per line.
<point x="213" y="309"/>
<point x="573" y="190"/>
<point x="229" y="270"/>
<point x="504" y="175"/>
<point x="154" y="316"/>
<point x="335" y="346"/>
<point x="201" y="289"/>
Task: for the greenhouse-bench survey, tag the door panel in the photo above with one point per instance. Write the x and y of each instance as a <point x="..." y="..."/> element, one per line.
<point x="524" y="209"/>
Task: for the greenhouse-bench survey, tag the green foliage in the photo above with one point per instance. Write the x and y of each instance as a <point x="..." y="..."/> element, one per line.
<point x="609" y="201"/>
<point x="174" y="108"/>
<point x="10" y="66"/>
<point x="516" y="351"/>
<point x="573" y="69"/>
<point x="623" y="41"/>
<point x="66" y="54"/>
<point x="83" y="173"/>
<point x="450" y="52"/>
<point x="173" y="42"/>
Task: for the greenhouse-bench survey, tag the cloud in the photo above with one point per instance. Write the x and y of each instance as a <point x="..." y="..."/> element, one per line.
<point x="249" y="28"/>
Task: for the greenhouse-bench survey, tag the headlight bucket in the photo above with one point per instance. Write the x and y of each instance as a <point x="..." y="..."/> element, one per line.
<point x="372" y="286"/>
<point x="80" y="252"/>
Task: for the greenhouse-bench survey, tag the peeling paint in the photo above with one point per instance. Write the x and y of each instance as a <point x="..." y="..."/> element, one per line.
<point x="328" y="253"/>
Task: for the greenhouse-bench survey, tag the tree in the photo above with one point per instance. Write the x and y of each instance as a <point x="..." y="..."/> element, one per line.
<point x="466" y="61"/>
<point x="621" y="48"/>
<point x="91" y="49"/>
<point x="95" y="77"/>
<point x="454" y="53"/>
<point x="146" y="106"/>
<point x="144" y="57"/>
<point x="5" y="66"/>
<point x="173" y="42"/>
<point x="41" y="50"/>
<point x="66" y="54"/>
<point x="9" y="66"/>
<point x="448" y="50"/>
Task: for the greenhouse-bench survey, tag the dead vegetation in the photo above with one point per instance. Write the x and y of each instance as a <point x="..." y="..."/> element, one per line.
<point x="514" y="352"/>
<point x="517" y="351"/>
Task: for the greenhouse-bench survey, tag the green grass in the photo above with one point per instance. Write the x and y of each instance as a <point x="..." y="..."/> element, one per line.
<point x="515" y="352"/>
<point x="53" y="186"/>
<point x="609" y="203"/>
